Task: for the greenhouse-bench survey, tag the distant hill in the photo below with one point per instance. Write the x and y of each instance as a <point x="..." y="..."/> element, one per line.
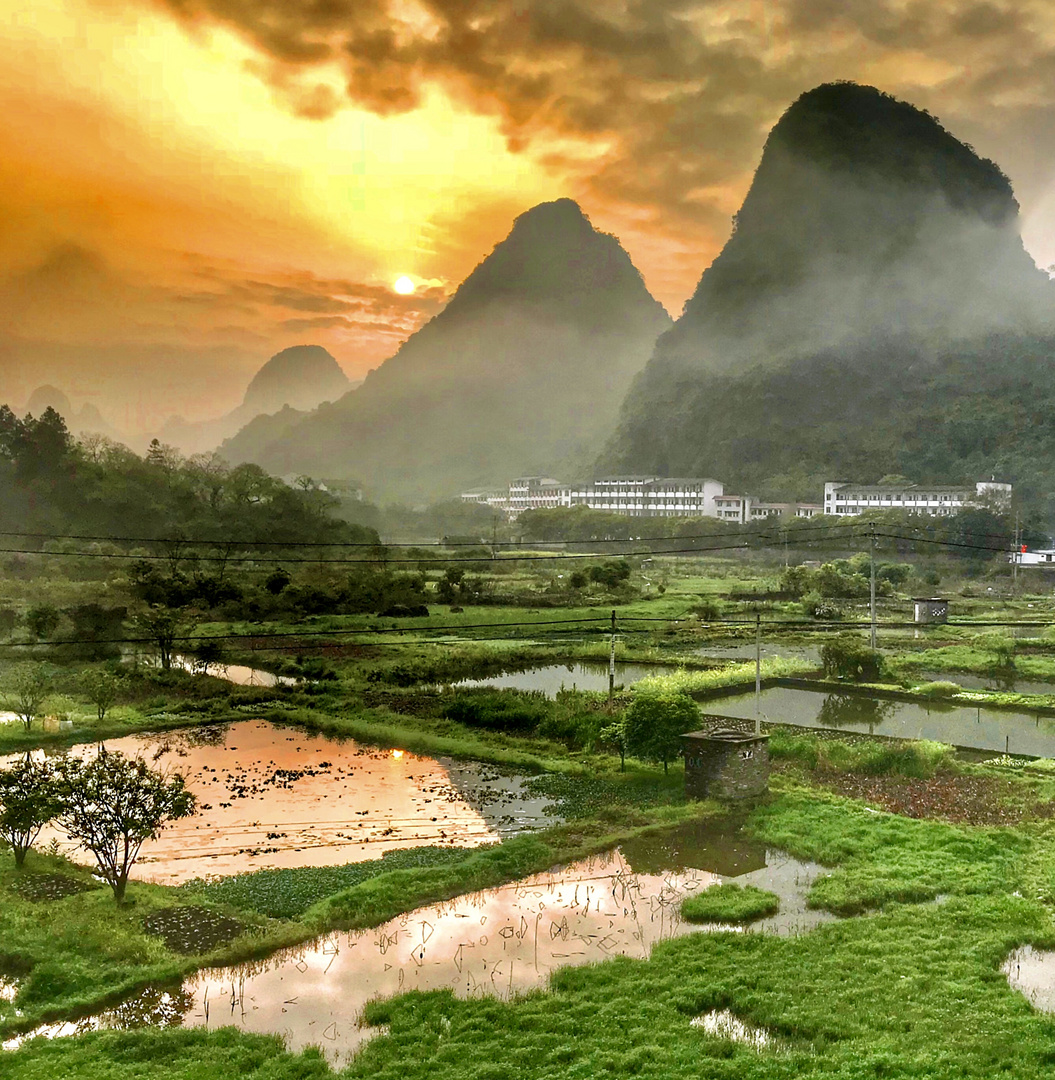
<point x="87" y="420"/>
<point x="300" y="377"/>
<point x="522" y="372"/>
<point x="873" y="312"/>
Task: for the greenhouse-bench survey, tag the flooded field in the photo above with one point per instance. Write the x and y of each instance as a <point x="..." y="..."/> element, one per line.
<point x="278" y="797"/>
<point x="499" y="942"/>
<point x="968" y="726"/>
<point x="238" y="674"/>
<point x="745" y="650"/>
<point x="1032" y="972"/>
<point x="574" y="676"/>
<point x="1014" y="684"/>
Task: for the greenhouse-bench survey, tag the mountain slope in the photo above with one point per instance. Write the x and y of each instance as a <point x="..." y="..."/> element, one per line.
<point x="522" y="372"/>
<point x="874" y="282"/>
<point x="300" y="377"/>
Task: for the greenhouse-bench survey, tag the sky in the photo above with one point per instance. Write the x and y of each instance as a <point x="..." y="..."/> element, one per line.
<point x="188" y="186"/>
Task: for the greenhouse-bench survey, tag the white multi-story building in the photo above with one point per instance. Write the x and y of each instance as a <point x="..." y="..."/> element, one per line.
<point x="635" y="496"/>
<point x="647" y="496"/>
<point x="942" y="500"/>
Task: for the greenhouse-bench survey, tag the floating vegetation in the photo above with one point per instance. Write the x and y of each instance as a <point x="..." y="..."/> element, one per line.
<point x="192" y="929"/>
<point x="50" y="886"/>
<point x="285" y="894"/>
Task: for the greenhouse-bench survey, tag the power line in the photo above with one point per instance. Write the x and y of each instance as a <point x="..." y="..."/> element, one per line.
<point x="746" y="543"/>
<point x="304" y="638"/>
<point x="182" y="540"/>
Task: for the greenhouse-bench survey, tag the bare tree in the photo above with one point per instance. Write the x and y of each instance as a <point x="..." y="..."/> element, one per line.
<point x="113" y="804"/>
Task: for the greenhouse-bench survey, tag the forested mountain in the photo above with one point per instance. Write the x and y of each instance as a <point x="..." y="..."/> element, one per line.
<point x="298" y="378"/>
<point x="873" y="312"/>
<point x="50" y="484"/>
<point x="522" y="372"/>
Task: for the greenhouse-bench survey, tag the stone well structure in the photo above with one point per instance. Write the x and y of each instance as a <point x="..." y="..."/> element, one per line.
<point x="725" y="763"/>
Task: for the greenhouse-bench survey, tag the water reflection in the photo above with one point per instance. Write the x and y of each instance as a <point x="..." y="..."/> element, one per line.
<point x="273" y="797"/>
<point x="552" y="678"/>
<point x="238" y="674"/>
<point x="498" y="942"/>
<point x="723" y="1024"/>
<point x="1032" y="972"/>
<point x="976" y="727"/>
<point x="155" y="1007"/>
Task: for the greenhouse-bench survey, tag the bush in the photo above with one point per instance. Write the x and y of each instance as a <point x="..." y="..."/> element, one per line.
<point x="817" y="607"/>
<point x="498" y="710"/>
<point x="847" y="657"/>
<point x="707" y="610"/>
<point x="938" y="689"/>
<point x="867" y="758"/>
<point x="571" y="721"/>
<point x="730" y="903"/>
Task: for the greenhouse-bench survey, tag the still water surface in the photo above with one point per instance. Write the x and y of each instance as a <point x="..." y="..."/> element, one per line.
<point x="960" y="725"/>
<point x="573" y="676"/>
<point x="272" y="796"/>
<point x="498" y="942"/>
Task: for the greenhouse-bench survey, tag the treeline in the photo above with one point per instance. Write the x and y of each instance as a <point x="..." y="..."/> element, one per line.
<point x="975" y="533"/>
<point x="50" y="483"/>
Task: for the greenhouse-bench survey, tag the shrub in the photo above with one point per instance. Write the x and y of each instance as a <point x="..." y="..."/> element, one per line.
<point x="938" y="689"/>
<point x="847" y="657"/>
<point x="817" y="607"/>
<point x="708" y="610"/>
<point x="868" y="758"/>
<point x="498" y="710"/>
<point x="572" y="722"/>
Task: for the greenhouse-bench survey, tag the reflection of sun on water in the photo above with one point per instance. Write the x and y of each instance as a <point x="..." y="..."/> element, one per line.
<point x="397" y="754"/>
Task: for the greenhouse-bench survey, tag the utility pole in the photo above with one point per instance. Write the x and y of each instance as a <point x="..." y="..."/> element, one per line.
<point x="758" y="673"/>
<point x="611" y="664"/>
<point x="872" y="589"/>
<point x="1015" y="557"/>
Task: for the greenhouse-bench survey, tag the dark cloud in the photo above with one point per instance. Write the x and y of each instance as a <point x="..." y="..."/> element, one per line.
<point x="682" y="90"/>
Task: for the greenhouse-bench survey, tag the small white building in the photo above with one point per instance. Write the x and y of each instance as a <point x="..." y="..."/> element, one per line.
<point x="1040" y="557"/>
<point x="745" y="508"/>
<point x="941" y="500"/>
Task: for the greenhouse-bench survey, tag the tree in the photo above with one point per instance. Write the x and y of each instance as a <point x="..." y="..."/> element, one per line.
<point x="30" y="685"/>
<point x="277" y="580"/>
<point x="113" y="804"/>
<point x="100" y="688"/>
<point x="846" y="656"/>
<point x="163" y="627"/>
<point x="655" y="724"/>
<point x="42" y="621"/>
<point x="29" y="799"/>
<point x="614" y="735"/>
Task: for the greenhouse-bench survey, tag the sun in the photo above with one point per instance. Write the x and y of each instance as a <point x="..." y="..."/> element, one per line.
<point x="403" y="285"/>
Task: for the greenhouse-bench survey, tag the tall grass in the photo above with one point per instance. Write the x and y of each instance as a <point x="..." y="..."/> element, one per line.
<point x="689" y="682"/>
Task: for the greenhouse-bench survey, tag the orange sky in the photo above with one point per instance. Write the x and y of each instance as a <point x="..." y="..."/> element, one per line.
<point x="188" y="186"/>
